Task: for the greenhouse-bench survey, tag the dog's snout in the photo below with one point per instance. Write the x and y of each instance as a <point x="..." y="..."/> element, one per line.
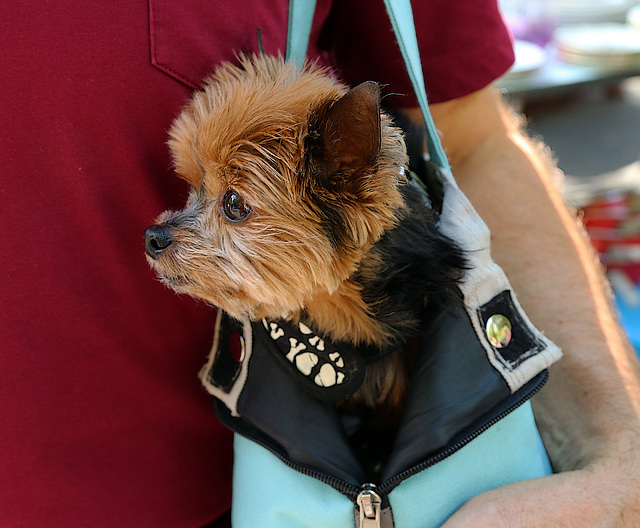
<point x="157" y="239"/>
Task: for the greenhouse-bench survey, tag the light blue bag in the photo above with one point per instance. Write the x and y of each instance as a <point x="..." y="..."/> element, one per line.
<point x="467" y="427"/>
<point x="270" y="494"/>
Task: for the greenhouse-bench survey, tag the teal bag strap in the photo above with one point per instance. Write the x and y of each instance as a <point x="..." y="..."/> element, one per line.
<point x="299" y="28"/>
<point x="401" y="16"/>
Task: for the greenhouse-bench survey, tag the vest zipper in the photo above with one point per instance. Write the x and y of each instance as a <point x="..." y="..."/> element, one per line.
<point x="366" y="490"/>
<point x="370" y="506"/>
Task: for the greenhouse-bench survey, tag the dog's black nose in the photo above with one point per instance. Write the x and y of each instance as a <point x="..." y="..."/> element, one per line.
<point x="157" y="239"/>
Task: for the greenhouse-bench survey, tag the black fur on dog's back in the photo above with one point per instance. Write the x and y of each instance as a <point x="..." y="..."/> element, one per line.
<point x="418" y="271"/>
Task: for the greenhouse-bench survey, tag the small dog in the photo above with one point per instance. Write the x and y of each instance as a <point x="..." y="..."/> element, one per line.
<point x="300" y="209"/>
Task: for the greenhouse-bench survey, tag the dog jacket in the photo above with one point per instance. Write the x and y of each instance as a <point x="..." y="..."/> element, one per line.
<point x="467" y="426"/>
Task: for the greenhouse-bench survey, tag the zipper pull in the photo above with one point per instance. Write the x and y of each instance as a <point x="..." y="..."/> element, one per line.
<point x="370" y="504"/>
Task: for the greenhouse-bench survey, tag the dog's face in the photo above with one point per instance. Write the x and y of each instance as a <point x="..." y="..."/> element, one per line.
<point x="293" y="178"/>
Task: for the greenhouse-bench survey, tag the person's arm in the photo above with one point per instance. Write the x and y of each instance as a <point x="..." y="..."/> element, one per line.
<point x="589" y="411"/>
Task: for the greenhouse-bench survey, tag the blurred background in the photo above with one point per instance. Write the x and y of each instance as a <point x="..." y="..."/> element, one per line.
<point x="577" y="80"/>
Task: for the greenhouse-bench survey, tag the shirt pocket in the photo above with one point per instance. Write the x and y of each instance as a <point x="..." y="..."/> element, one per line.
<point x="189" y="38"/>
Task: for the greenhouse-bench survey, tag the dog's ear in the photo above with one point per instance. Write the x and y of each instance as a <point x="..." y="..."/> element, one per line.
<point x="347" y="135"/>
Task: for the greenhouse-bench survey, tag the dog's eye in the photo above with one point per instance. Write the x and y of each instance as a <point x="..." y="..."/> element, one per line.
<point x="234" y="207"/>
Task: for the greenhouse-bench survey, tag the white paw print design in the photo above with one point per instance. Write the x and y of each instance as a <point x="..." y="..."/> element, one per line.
<point x="306" y="359"/>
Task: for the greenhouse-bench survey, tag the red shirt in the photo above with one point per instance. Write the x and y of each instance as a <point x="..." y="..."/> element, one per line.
<point x="103" y="420"/>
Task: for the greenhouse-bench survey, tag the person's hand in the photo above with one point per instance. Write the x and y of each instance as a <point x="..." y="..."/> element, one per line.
<point x="606" y="494"/>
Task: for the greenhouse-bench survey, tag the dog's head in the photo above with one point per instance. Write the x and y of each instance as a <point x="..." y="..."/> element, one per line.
<point x="293" y="179"/>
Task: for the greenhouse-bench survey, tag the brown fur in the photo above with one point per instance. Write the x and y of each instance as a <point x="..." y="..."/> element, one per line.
<point x="262" y="129"/>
